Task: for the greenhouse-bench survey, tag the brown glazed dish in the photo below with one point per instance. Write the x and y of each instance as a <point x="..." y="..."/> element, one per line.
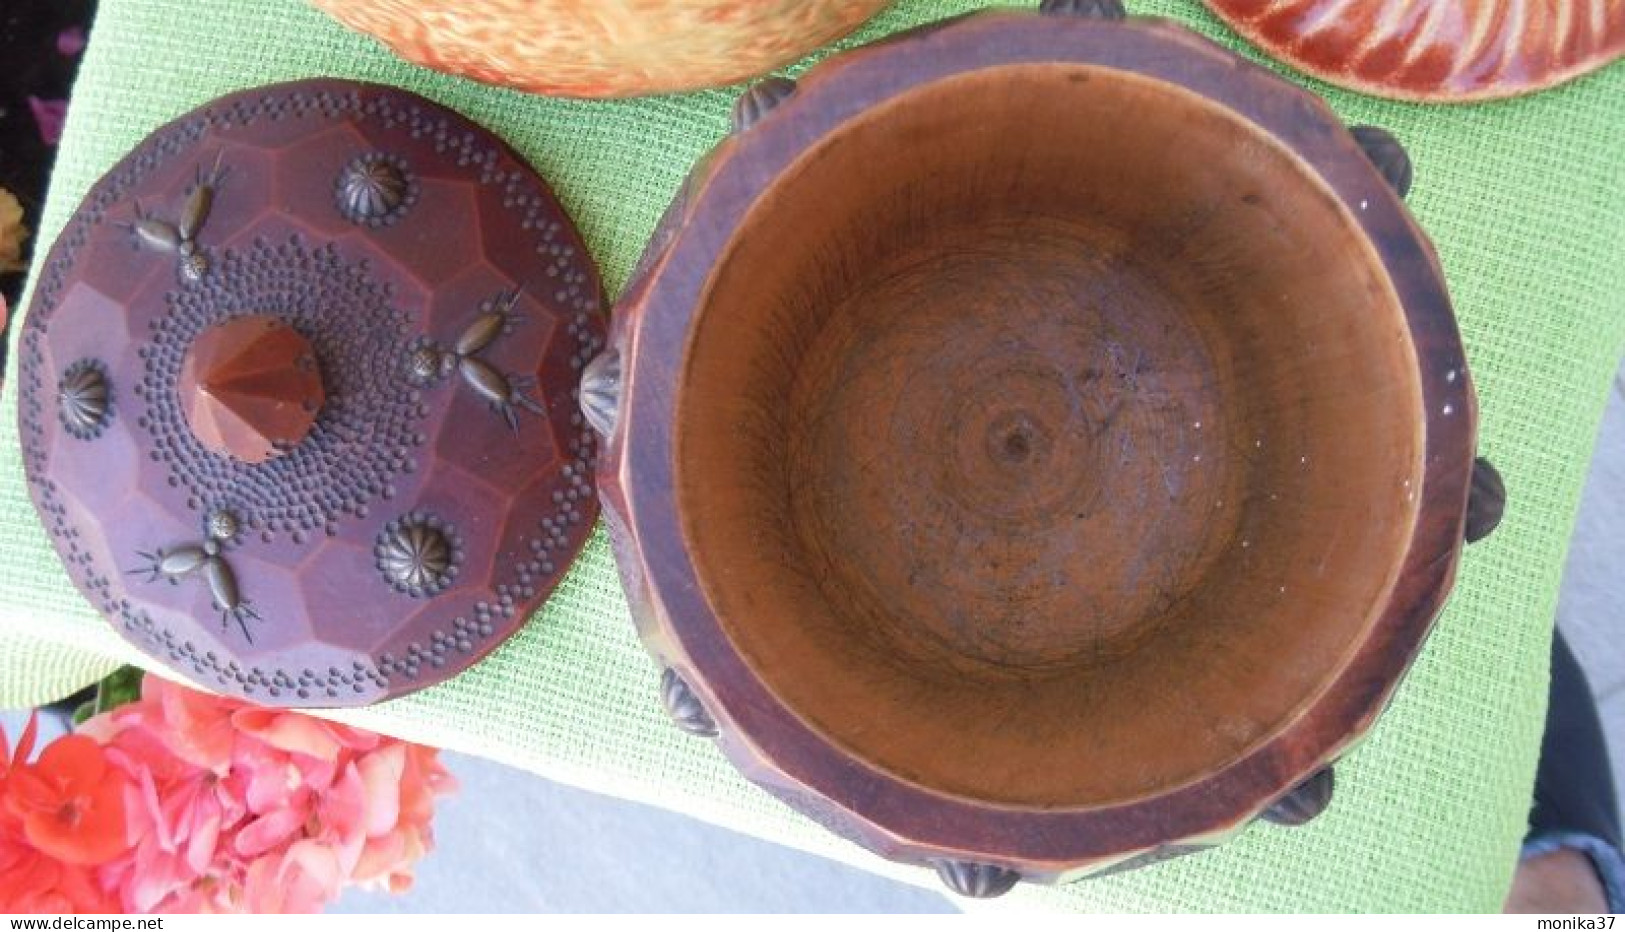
<point x="1435" y="50"/>
<point x="296" y="394"/>
<point x="1038" y="443"/>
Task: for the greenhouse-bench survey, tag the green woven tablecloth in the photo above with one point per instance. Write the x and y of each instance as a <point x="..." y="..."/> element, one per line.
<point x="1526" y="201"/>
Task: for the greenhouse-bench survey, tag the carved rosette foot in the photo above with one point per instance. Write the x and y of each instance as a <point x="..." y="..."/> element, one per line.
<point x="375" y="189"/>
<point x="85" y="399"/>
<point x="762" y="97"/>
<point x="1387" y="154"/>
<point x="977" y="881"/>
<point x="685" y="708"/>
<point x="1306" y="800"/>
<point x="1092" y="9"/>
<point x="1486" y="501"/>
<point x="601" y="391"/>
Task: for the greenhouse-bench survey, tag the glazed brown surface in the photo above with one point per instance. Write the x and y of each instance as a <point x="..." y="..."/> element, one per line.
<point x="1437" y="50"/>
<point x="872" y="328"/>
<point x="1050" y="469"/>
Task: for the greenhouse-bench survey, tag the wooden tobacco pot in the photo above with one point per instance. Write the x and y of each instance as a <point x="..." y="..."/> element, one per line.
<point x="1038" y="444"/>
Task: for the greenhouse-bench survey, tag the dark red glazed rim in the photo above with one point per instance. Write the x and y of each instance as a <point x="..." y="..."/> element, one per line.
<point x="1401" y="49"/>
<point x="917" y="819"/>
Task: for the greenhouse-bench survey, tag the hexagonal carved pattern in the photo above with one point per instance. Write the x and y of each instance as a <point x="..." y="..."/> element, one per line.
<point x="340" y="571"/>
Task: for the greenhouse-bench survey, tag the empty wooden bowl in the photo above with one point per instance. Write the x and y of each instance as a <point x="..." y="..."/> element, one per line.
<point x="1037" y="443"/>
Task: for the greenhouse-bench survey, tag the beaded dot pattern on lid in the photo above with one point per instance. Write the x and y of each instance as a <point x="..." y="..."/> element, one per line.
<point x="550" y="545"/>
<point x="315" y="483"/>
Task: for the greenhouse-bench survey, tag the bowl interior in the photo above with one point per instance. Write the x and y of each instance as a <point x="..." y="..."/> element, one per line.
<point x="1048" y="436"/>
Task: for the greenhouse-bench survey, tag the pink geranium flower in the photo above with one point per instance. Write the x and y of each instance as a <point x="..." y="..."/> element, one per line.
<point x="220" y="807"/>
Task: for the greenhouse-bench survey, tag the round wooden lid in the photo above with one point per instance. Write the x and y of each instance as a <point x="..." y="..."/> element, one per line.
<point x="297" y="394"/>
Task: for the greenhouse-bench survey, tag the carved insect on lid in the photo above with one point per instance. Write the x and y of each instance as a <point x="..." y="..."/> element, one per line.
<point x="297" y="394"/>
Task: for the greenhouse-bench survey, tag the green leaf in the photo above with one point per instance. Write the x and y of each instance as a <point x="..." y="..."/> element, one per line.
<point x="120" y="687"/>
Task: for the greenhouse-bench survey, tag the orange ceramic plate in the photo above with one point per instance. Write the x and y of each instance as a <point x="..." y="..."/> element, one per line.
<point x="603" y="48"/>
<point x="1435" y="50"/>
